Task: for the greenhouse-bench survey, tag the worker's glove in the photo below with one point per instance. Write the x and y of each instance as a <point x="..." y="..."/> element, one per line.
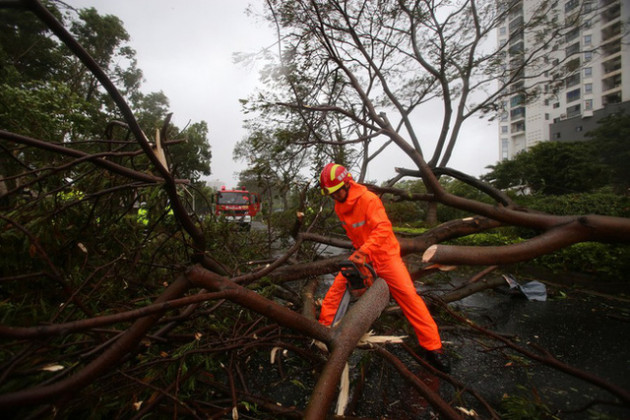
<point x="360" y="260"/>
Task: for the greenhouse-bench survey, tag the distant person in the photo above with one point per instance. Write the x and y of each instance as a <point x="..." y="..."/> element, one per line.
<point x="365" y="221"/>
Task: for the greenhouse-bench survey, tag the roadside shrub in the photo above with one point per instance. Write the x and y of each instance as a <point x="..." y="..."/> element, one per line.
<point x="607" y="261"/>
<point x="405" y="212"/>
<point x="460" y="189"/>
<point x="497" y="238"/>
<point x="603" y="202"/>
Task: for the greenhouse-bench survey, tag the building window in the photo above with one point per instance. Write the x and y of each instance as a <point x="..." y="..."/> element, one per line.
<point x="588" y="39"/>
<point x="546" y="116"/>
<point x="588" y="56"/>
<point x="588" y="104"/>
<point x="570" y="5"/>
<point x="556" y="105"/>
<point x="504" y="129"/>
<point x="503" y="30"/>
<point x="578" y="128"/>
<point x="517" y="113"/>
<point x="516" y="100"/>
<point x="518" y="127"/>
<point x="573" y="95"/>
<point x="587" y="6"/>
<point x="504" y="148"/>
<point x="588" y="71"/>
<point x="556" y="135"/>
<point x="588" y="88"/>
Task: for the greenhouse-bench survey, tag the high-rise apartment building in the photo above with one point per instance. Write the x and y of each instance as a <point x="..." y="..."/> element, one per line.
<point x="581" y="77"/>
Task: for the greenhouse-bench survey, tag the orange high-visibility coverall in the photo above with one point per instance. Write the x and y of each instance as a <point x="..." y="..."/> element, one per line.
<point x="366" y="223"/>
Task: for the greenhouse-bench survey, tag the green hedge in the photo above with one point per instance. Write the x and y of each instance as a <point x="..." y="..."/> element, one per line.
<point x="604" y="203"/>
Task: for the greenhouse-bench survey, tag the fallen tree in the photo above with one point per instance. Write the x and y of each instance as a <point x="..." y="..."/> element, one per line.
<point x="138" y="313"/>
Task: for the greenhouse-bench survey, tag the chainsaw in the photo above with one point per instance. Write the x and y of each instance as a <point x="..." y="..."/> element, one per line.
<point x="357" y="283"/>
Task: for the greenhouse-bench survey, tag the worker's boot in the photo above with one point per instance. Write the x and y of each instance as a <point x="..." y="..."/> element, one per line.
<point x="439" y="360"/>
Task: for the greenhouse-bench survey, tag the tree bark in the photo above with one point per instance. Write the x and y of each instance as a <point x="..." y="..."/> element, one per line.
<point x="345" y="337"/>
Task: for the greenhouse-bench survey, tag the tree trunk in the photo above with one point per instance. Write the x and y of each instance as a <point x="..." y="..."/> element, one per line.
<point x="431" y="218"/>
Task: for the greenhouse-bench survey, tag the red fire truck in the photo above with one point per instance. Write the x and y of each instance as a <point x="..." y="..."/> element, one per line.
<point x="237" y="205"/>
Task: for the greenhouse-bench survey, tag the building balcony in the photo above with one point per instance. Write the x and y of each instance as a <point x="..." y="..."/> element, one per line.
<point x="574" y="111"/>
<point x="611" y="83"/>
<point x="612" y="13"/>
<point x="518" y="127"/>
<point x="517" y="114"/>
<point x="516" y="10"/>
<point x="611" y="31"/>
<point x="611" y="48"/>
<point x="612" y="65"/>
<point x="611" y="98"/>
<point x="517" y="87"/>
<point x="517" y="49"/>
<point x="517" y="37"/>
<point x="516" y="25"/>
<point x="572" y="49"/>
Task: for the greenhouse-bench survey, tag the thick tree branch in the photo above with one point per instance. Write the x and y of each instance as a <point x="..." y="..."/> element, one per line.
<point x="579" y="229"/>
<point x="346" y="335"/>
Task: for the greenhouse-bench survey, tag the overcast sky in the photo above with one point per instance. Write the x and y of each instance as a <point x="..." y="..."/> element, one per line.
<point x="185" y="49"/>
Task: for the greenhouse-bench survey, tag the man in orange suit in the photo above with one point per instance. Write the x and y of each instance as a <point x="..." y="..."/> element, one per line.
<point x="365" y="221"/>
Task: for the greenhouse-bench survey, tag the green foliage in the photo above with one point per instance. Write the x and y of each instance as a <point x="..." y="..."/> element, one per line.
<point x="42" y="110"/>
<point x="400" y="211"/>
<point x="191" y="160"/>
<point x="283" y="221"/>
<point x="552" y="168"/>
<point x="498" y="238"/>
<point x="461" y="189"/>
<point x="602" y="202"/>
<point x="528" y="405"/>
<point x="410" y="230"/>
<point x="26" y="50"/>
<point x="607" y="262"/>
<point x="611" y="142"/>
<point x="232" y="245"/>
<point x="405" y="212"/>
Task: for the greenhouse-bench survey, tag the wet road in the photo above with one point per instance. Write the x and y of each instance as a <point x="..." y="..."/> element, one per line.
<point x="587" y="332"/>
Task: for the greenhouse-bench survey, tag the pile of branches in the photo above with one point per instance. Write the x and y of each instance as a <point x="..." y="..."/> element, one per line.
<point x="101" y="314"/>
